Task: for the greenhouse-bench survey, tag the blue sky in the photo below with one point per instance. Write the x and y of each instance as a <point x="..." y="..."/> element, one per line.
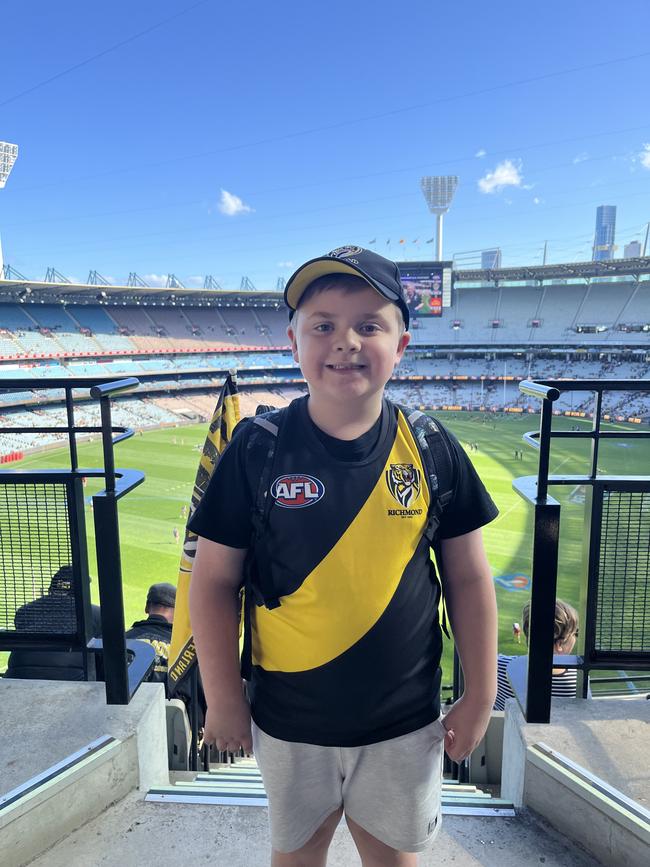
<point x="236" y="139"/>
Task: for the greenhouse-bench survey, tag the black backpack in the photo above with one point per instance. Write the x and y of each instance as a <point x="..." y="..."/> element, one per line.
<point x="436" y="454"/>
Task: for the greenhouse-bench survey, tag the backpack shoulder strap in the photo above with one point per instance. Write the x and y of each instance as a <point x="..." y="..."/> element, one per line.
<point x="261" y="443"/>
<point x="258" y="589"/>
<point x="437" y="458"/>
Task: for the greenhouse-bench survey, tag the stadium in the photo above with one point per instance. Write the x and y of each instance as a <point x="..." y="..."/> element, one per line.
<point x="476" y="336"/>
<point x="320" y="687"/>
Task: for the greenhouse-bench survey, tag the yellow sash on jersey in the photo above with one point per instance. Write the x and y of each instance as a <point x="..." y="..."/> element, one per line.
<point x="349" y="590"/>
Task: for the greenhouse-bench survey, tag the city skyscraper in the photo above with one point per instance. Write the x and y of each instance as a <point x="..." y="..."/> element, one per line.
<point x="605" y="232"/>
<point x="632" y="250"/>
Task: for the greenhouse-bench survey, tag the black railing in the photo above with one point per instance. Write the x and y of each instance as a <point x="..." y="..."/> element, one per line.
<point x="120" y="678"/>
<point x="599" y="650"/>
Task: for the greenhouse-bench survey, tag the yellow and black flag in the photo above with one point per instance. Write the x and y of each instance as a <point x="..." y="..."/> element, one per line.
<point x="182" y="653"/>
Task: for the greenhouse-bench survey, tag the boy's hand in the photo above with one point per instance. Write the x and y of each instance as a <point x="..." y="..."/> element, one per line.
<point x="228" y="725"/>
<point x="466" y="724"/>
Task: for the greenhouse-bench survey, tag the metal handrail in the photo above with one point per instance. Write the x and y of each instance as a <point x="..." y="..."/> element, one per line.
<point x="141" y="663"/>
<point x="119" y="678"/>
<point x="537" y="703"/>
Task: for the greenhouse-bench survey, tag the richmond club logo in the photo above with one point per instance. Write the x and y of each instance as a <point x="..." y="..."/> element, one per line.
<point x="403" y="482"/>
<point x="345" y="252"/>
<point x="297" y="491"/>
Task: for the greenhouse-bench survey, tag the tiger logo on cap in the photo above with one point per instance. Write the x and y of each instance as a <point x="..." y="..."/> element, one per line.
<point x="345" y="252"/>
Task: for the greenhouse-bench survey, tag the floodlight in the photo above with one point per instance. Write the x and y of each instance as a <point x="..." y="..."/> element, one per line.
<point x="8" y="156"/>
<point x="438" y="190"/>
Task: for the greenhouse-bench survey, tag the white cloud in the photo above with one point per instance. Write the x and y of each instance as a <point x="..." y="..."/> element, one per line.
<point x="286" y="265"/>
<point x="580" y="158"/>
<point x="231" y="205"/>
<point x="644" y="156"/>
<point x="537" y="200"/>
<point x="155" y="279"/>
<point x="195" y="281"/>
<point x="480" y="153"/>
<point x="506" y="174"/>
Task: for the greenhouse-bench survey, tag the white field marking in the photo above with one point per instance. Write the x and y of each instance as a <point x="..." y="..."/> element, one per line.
<point x="518" y="500"/>
<point x="561" y="464"/>
<point x="628" y="683"/>
<point x="505" y="514"/>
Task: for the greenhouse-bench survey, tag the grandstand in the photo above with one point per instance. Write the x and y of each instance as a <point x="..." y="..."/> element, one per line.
<point x="585" y="321"/>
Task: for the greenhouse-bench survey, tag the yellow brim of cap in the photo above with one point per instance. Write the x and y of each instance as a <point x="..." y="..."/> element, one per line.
<point x="321" y="268"/>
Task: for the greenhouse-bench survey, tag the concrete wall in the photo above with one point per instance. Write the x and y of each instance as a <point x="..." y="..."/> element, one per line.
<point x="606" y="739"/>
<point x="51" y="721"/>
<point x="486" y="760"/>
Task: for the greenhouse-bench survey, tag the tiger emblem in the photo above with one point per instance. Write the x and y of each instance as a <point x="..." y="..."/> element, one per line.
<point x="403" y="482"/>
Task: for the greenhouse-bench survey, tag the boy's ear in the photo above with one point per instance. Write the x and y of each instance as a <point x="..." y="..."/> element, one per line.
<point x="291" y="334"/>
<point x="404" y="341"/>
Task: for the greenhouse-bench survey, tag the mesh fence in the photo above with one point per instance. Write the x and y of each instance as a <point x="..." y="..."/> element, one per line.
<point x="623" y="619"/>
<point x="36" y="587"/>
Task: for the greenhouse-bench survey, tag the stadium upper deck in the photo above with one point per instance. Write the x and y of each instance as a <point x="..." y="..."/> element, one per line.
<point x="604" y="304"/>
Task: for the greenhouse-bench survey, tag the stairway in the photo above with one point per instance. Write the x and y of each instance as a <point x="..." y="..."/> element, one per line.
<point x="240" y="784"/>
<point x="208" y="819"/>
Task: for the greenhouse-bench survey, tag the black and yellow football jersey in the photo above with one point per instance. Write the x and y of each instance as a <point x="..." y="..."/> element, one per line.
<point x="351" y="655"/>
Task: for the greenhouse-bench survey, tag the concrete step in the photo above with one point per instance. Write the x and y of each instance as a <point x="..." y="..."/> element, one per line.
<point x="134" y="833"/>
<point x="240" y="784"/>
<point x="248" y="775"/>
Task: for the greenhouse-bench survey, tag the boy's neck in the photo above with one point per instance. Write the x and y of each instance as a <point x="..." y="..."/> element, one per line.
<point x="345" y="421"/>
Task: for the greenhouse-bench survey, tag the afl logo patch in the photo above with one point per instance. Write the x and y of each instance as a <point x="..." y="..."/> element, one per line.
<point x="296" y="491"/>
<point x="344" y="252"/>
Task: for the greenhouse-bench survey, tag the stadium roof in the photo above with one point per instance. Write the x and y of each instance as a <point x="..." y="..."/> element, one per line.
<point x="16" y="287"/>
<point x="52" y="292"/>
<point x="569" y="270"/>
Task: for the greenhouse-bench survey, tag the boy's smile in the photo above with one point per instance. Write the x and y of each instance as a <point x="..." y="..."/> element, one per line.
<point x="347" y="344"/>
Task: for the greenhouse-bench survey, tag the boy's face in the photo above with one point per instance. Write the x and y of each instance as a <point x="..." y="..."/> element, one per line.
<point x="347" y="343"/>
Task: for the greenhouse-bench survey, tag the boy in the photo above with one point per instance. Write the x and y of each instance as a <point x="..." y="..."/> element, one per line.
<point x="345" y="685"/>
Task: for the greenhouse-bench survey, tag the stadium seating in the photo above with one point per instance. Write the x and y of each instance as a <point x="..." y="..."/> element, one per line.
<point x="637" y="306"/>
<point x="557" y="310"/>
<point x="46" y="340"/>
<point x="51" y="316"/>
<point x="15" y="318"/>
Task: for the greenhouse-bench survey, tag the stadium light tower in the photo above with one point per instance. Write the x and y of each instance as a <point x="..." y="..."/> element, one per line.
<point x="438" y="191"/>
<point x="8" y="155"/>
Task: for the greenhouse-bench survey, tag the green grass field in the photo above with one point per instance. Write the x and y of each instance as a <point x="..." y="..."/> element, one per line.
<point x="169" y="459"/>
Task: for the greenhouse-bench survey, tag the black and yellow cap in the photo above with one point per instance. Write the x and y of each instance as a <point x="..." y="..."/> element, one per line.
<point x="381" y="274"/>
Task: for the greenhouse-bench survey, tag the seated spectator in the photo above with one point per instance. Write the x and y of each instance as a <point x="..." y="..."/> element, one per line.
<point x="156" y="629"/>
<point x="53" y="613"/>
<point x="565" y="632"/>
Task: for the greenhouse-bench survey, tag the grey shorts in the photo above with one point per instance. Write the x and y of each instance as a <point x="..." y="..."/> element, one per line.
<point x="392" y="788"/>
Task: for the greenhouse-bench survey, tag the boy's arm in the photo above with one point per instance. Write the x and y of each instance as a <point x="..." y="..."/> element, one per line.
<point x="471" y="603"/>
<point x="214" y="604"/>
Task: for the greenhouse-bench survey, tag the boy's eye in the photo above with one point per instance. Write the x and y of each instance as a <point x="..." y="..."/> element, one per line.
<point x="369" y="328"/>
<point x="323" y="326"/>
